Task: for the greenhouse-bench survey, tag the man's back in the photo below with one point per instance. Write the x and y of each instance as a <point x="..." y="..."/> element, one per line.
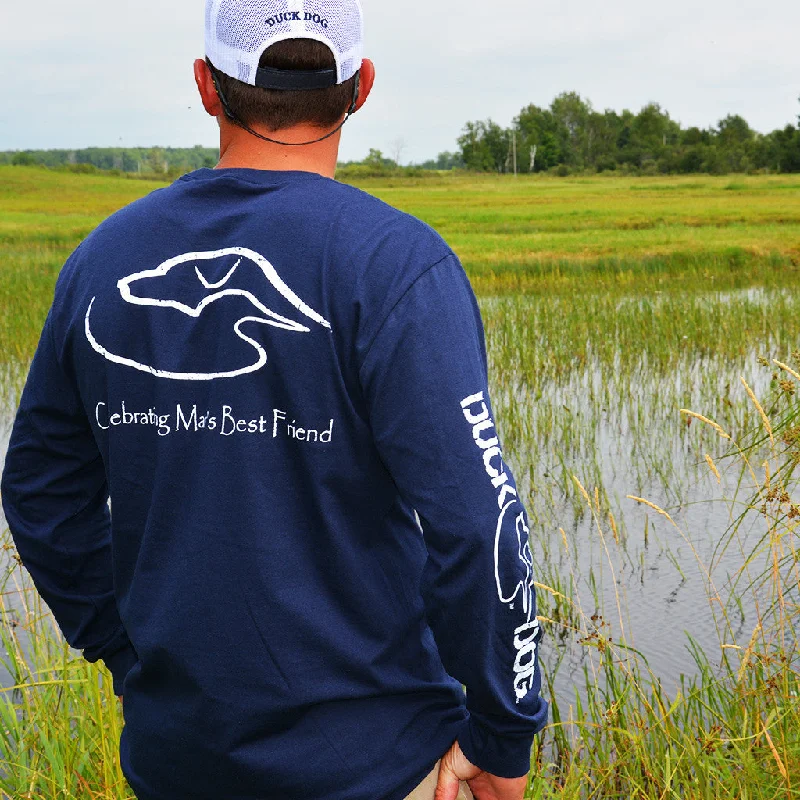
<point x="280" y="383"/>
<point x="240" y="343"/>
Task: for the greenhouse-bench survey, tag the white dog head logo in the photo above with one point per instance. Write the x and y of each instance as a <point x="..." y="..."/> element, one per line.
<point x="138" y="290"/>
<point x="507" y="574"/>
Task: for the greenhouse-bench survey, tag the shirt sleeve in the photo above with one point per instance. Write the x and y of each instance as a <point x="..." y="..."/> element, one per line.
<point x="425" y="382"/>
<point x="55" y="499"/>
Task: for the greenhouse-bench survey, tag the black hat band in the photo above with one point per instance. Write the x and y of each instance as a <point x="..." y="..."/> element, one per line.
<point x="295" y="80"/>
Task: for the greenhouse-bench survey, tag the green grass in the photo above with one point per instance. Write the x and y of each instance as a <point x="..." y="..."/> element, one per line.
<point x="59" y="721"/>
<point x="43" y="216"/>
<point x="545" y="234"/>
<point x="527" y="234"/>
<point x="610" y="304"/>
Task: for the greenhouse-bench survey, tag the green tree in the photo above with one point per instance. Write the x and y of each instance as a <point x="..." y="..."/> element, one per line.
<point x="444" y="161"/>
<point x="694" y="136"/>
<point x="734" y="130"/>
<point x="156" y="160"/>
<point x="538" y="128"/>
<point x="572" y="114"/>
<point x="788" y="149"/>
<point x="604" y="132"/>
<point x="652" y="131"/>
<point x="23" y="159"/>
<point x="735" y="141"/>
<point x="375" y="158"/>
<point x="484" y="146"/>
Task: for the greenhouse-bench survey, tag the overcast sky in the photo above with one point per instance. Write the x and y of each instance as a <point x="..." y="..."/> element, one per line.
<point x="105" y="73"/>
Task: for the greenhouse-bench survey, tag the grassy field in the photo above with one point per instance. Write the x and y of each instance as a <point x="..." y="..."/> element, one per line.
<point x="545" y="234"/>
<point x="617" y="310"/>
<point x="530" y="234"/>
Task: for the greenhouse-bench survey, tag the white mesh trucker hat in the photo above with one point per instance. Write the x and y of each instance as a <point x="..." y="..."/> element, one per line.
<point x="239" y="31"/>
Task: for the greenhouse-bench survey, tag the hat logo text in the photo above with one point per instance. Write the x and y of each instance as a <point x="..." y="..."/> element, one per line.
<point x="295" y="16"/>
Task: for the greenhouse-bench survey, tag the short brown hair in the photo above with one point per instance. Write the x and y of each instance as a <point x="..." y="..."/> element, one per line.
<point x="278" y="109"/>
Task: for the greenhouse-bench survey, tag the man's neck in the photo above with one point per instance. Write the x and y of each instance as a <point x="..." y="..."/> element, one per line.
<point x="238" y="148"/>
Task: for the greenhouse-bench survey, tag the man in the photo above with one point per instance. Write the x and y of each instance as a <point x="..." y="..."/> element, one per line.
<point x="314" y="540"/>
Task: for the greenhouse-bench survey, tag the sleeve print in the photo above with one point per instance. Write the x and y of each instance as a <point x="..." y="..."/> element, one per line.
<point x="426" y="385"/>
<point x="513" y="560"/>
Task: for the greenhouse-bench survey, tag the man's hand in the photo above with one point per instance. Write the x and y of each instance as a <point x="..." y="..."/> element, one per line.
<point x="455" y="768"/>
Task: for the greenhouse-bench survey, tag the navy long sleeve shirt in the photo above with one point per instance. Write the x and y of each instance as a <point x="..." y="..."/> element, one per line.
<point x="314" y="573"/>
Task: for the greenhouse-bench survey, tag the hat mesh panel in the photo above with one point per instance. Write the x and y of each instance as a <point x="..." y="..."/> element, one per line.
<point x="243" y="25"/>
<point x="238" y="31"/>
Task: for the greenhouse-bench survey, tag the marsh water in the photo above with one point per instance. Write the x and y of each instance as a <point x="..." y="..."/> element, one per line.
<point x="588" y="396"/>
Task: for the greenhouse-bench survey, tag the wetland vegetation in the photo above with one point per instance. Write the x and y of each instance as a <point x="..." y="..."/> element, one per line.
<point x="644" y="345"/>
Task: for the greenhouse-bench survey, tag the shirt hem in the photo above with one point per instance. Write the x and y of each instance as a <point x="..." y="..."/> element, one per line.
<point x="446" y="743"/>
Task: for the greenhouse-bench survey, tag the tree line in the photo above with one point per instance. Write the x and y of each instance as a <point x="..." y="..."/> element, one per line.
<point x="567" y="137"/>
<point x="570" y="136"/>
<point x="170" y="161"/>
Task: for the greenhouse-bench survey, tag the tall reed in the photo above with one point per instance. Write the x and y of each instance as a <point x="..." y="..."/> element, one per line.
<point x="733" y="729"/>
<point x="730" y="731"/>
<point x="60" y="722"/>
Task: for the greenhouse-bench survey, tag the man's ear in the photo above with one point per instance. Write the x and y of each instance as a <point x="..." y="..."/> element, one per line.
<point x="367" y="81"/>
<point x="206" y="88"/>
